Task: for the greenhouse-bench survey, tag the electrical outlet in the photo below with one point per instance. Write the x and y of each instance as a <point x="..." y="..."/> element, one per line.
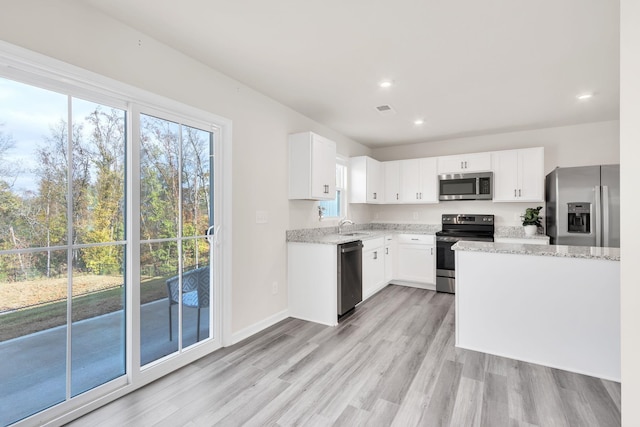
<point x="416" y="215"/>
<point x="274" y="288"/>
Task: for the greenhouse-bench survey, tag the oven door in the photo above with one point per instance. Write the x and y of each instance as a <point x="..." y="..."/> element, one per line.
<point x="445" y="264"/>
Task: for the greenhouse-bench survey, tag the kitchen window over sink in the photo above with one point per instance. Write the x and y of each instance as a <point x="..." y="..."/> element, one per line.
<point x="337" y="208"/>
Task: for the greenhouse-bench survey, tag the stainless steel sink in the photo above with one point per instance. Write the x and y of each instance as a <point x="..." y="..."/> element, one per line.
<point x="355" y="234"/>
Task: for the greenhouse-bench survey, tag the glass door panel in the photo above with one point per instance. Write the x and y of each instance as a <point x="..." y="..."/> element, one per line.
<point x="175" y="206"/>
<point x="33" y="333"/>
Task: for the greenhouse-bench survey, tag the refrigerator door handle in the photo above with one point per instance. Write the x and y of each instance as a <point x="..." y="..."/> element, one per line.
<point x="605" y="215"/>
<point x="598" y="213"/>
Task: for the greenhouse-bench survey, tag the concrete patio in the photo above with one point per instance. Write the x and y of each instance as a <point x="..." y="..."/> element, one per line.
<point x="33" y="367"/>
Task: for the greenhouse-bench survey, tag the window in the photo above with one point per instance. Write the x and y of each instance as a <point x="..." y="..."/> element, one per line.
<point x="337" y="208"/>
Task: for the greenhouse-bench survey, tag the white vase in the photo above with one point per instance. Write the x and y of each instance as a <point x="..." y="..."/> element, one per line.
<point x="530" y="230"/>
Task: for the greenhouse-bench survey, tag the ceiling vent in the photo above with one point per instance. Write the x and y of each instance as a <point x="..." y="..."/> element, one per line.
<point x="385" y="110"/>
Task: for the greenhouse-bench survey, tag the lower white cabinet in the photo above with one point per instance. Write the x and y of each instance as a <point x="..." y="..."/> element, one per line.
<point x="389" y="250"/>
<point x="373" y="263"/>
<point x="415" y="261"/>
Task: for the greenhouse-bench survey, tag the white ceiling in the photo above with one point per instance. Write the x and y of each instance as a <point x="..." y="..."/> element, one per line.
<point x="468" y="67"/>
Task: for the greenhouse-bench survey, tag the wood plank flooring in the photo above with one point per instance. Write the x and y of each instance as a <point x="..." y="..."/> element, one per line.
<point x="391" y="363"/>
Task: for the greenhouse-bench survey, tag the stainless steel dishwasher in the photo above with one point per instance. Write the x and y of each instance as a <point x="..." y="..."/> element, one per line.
<point x="349" y="276"/>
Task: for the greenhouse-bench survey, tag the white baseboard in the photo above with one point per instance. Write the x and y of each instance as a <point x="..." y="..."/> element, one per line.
<point x="242" y="334"/>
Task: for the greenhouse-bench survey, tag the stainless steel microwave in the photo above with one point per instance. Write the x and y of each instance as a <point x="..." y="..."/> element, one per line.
<point x="466" y="186"/>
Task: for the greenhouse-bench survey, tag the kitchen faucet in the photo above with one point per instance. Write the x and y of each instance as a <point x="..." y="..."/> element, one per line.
<point x="344" y="222"/>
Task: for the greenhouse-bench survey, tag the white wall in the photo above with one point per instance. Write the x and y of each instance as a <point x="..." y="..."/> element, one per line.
<point x="578" y="145"/>
<point x="77" y="34"/>
<point x="630" y="153"/>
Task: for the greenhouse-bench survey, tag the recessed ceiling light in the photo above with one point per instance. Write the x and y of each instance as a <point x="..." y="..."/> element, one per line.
<point x="385" y="84"/>
<point x="418" y="122"/>
<point x="584" y="96"/>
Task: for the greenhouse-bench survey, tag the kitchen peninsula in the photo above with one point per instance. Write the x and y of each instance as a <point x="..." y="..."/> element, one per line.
<point x="557" y="306"/>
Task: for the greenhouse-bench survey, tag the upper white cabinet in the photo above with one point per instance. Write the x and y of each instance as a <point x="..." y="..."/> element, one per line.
<point x="518" y="175"/>
<point x="419" y="180"/>
<point x="312" y="167"/>
<point x="392" y="181"/>
<point x="475" y="162"/>
<point x="411" y="181"/>
<point x="366" y="183"/>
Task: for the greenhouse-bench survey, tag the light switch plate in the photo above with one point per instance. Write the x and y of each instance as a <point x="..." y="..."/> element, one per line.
<point x="262" y="217"/>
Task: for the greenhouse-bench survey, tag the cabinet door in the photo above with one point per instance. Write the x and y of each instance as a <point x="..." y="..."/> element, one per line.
<point x="410" y="181"/>
<point x="477" y="162"/>
<point x="388" y="259"/>
<point x="429" y="180"/>
<point x="505" y="175"/>
<point x="531" y="174"/>
<point x="450" y="164"/>
<point x="392" y="182"/>
<point x="372" y="271"/>
<point x="375" y="192"/>
<point x="415" y="263"/>
<point x="323" y="168"/>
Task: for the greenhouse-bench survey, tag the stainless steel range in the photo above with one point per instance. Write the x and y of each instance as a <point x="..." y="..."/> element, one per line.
<point x="456" y="228"/>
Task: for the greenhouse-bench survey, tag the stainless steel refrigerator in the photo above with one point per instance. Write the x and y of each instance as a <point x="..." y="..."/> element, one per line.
<point x="583" y="206"/>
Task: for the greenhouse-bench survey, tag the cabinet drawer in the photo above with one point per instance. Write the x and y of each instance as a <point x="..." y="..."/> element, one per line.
<point x="425" y="239"/>
<point x="378" y="242"/>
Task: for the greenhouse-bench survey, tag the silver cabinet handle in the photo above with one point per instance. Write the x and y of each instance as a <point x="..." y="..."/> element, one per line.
<point x="420" y="196"/>
<point x="461" y="165"/>
<point x="375" y="196"/>
<point x="397" y="196"/>
<point x="515" y="194"/>
<point x="431" y="251"/>
<point x="375" y="255"/>
<point x="386" y="251"/>
<point x="414" y="239"/>
<point x="465" y="165"/>
<point x="519" y="193"/>
<point x="326" y="189"/>
<point x="417" y="196"/>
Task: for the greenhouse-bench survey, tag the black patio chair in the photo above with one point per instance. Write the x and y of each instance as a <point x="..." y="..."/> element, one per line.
<point x="195" y="294"/>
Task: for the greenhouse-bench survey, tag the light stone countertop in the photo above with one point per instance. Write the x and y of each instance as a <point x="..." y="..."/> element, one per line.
<point x="585" y="252"/>
<point x="330" y="236"/>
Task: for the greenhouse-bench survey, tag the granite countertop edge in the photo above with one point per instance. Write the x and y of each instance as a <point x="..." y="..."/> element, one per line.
<point x="583" y="252"/>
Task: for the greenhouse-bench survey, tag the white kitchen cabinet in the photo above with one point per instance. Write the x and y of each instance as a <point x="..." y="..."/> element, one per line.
<point x="313" y="282"/>
<point x="392" y="181"/>
<point x="518" y="175"/>
<point x="366" y="183"/>
<point x="373" y="263"/>
<point x="419" y="180"/>
<point x="389" y="251"/>
<point x="415" y="261"/>
<point x="312" y="167"/>
<point x="474" y="162"/>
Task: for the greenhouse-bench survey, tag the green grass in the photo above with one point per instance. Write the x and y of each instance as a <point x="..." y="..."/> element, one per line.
<point x="24" y="322"/>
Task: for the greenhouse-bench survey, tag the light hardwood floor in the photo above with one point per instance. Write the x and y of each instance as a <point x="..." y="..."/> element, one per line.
<point x="391" y="363"/>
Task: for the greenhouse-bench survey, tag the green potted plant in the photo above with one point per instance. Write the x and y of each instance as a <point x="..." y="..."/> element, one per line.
<point x="531" y="220"/>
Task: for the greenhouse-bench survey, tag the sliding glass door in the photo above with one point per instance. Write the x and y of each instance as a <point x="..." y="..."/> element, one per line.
<point x="175" y="215"/>
<point x="106" y="245"/>
<point x="62" y="247"/>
